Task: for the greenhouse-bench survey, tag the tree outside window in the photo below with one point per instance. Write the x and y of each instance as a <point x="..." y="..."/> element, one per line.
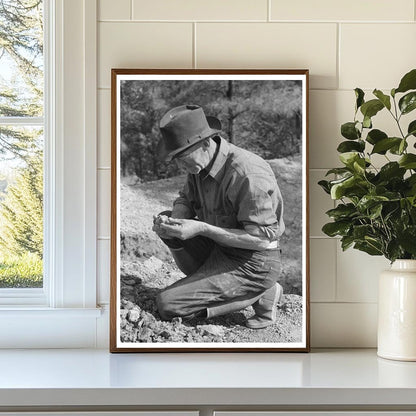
<point x="21" y="143"/>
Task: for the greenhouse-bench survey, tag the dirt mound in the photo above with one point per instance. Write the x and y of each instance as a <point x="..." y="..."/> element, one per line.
<point x="147" y="267"/>
<point x="140" y="321"/>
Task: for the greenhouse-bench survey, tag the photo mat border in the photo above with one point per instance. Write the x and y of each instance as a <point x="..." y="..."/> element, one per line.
<point x="187" y="74"/>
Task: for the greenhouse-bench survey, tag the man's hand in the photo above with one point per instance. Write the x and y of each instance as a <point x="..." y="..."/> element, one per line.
<point x="181" y="228"/>
<point x="157" y="221"/>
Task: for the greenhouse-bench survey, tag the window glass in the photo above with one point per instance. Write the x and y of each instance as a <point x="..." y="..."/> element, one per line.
<point x="21" y="143"/>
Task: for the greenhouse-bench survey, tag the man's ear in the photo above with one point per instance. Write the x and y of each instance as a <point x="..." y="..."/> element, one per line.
<point x="206" y="144"/>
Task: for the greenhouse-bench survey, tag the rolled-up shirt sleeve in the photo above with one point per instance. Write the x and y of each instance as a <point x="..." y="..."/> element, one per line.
<point x="258" y="202"/>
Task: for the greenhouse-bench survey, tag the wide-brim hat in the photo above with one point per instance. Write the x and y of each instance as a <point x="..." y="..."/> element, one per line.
<point x="183" y="127"/>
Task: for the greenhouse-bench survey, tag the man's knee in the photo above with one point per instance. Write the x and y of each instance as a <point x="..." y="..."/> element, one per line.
<point x="166" y="305"/>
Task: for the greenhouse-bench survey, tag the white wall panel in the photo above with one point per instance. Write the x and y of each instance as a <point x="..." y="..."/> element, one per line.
<point x="143" y="45"/>
<point x="349" y="325"/>
<point x="104" y="129"/>
<point x="323" y="269"/>
<point x="357" y="275"/>
<point x="114" y="10"/>
<point x="104" y="202"/>
<point x="258" y="45"/>
<point x="340" y="10"/>
<point x="319" y="203"/>
<point x="376" y="55"/>
<point x="200" y="10"/>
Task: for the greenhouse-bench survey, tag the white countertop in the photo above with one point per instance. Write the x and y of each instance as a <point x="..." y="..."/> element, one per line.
<point x="96" y="377"/>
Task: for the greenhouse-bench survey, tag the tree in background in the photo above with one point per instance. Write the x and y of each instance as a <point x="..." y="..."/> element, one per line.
<point x="21" y="215"/>
<point x="21" y="95"/>
<point x="261" y="116"/>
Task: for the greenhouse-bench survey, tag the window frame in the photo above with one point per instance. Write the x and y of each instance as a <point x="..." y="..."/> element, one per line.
<point x="70" y="208"/>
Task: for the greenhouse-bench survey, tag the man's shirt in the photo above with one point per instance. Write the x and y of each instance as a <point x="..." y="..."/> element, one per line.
<point x="239" y="189"/>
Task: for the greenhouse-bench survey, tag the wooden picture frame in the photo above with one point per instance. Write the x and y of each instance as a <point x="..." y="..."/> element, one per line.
<point x="263" y="111"/>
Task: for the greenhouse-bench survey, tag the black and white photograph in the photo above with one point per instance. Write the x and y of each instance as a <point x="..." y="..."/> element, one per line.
<point x="209" y="213"/>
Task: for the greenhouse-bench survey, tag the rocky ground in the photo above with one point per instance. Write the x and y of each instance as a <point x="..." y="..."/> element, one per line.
<point x="147" y="267"/>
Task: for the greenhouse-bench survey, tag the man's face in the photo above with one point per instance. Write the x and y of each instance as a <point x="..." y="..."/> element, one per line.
<point x="194" y="161"/>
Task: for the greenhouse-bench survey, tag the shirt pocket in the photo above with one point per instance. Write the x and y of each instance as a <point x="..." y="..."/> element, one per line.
<point x="226" y="221"/>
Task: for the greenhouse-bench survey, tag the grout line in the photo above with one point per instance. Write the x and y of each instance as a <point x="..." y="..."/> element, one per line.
<point x="131" y="9"/>
<point x="103" y="238"/>
<point x="194" y="62"/>
<point x="310" y="22"/>
<point x="269" y="10"/>
<point x="344" y="303"/>
<point x="336" y="271"/>
<point x="323" y="237"/>
<point x="414" y="9"/>
<point x="338" y="63"/>
<point x="104" y="168"/>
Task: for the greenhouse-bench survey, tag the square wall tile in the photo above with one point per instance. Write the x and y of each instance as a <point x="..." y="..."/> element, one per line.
<point x="200" y="10"/>
<point x="319" y="203"/>
<point x="104" y="129"/>
<point x="103" y="271"/>
<point x="270" y="45"/>
<point x="343" y="325"/>
<point x="327" y="111"/>
<point x="114" y="10"/>
<point x="342" y="10"/>
<point x="142" y="45"/>
<point x="323" y="253"/>
<point x="357" y="275"/>
<point x="376" y="55"/>
<point x="104" y="203"/>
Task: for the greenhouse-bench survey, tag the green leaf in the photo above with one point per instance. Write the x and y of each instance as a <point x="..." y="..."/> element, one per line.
<point x="349" y="131"/>
<point x="350" y="146"/>
<point x="383" y="145"/>
<point x="359" y="95"/>
<point x="369" y="201"/>
<point x="348" y="187"/>
<point x="325" y="186"/>
<point x="408" y="161"/>
<point x="374" y="136"/>
<point x="394" y="251"/>
<point x="408" y="82"/>
<point x="408" y="102"/>
<point x="346" y="242"/>
<point x="333" y="229"/>
<point x="338" y="171"/>
<point x="371" y="108"/>
<point x="367" y="122"/>
<point x="349" y="158"/>
<point x="342" y="211"/>
<point x="411" y="130"/>
<point x="391" y="170"/>
<point x="368" y="248"/>
<point x="385" y="99"/>
<point x="398" y="149"/>
<point x="375" y="212"/>
<point x="407" y="239"/>
<point x="393" y="92"/>
<point x="361" y="231"/>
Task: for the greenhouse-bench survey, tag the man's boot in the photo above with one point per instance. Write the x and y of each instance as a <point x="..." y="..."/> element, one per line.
<point x="266" y="308"/>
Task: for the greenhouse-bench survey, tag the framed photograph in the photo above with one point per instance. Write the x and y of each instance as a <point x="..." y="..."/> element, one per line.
<point x="209" y="211"/>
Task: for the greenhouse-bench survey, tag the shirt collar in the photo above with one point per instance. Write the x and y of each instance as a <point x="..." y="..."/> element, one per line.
<point x="218" y="167"/>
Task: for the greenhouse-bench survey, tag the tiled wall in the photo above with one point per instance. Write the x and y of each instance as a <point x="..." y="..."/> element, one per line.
<point x="345" y="44"/>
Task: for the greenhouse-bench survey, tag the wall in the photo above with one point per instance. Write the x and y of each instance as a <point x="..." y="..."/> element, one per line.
<point x="345" y="44"/>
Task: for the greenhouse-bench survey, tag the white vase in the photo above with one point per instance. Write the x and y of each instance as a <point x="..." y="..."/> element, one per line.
<point x="397" y="312"/>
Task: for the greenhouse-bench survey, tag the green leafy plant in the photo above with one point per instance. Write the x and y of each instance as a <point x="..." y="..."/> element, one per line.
<point x="376" y="210"/>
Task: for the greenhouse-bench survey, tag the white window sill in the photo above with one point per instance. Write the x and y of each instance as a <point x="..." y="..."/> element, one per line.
<point x="331" y="379"/>
<point x="40" y="327"/>
<point x="36" y="312"/>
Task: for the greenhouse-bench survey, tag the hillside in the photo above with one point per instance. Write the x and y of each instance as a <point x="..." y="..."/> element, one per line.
<point x="147" y="267"/>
